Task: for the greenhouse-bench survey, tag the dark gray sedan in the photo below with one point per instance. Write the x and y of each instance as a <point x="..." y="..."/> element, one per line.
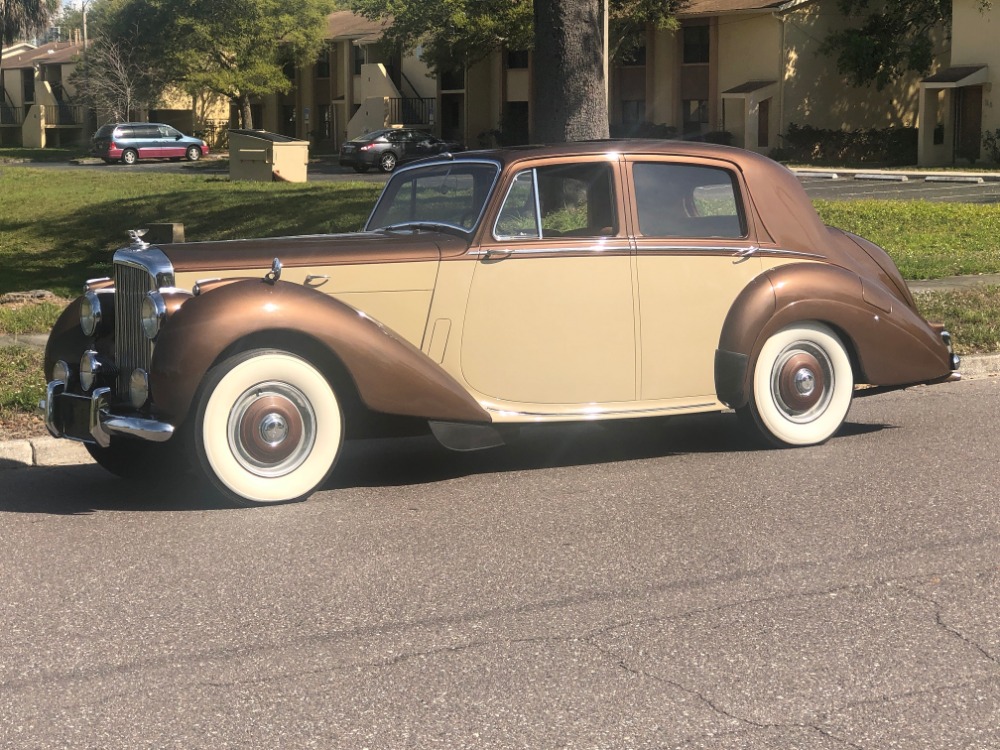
<point x="385" y="149"/>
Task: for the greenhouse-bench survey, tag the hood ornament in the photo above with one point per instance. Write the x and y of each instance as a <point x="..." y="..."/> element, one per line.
<point x="275" y="273"/>
<point x="136" y="236"/>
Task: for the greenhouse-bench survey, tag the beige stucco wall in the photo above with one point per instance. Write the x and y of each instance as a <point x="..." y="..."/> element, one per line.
<point x="662" y="79"/>
<point x="976" y="41"/>
<point x="816" y="94"/>
<point x="749" y="49"/>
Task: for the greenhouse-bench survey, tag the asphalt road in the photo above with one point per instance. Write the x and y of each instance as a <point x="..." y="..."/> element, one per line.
<point x="650" y="585"/>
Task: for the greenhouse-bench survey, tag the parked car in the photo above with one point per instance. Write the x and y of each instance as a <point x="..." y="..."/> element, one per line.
<point x="489" y="290"/>
<point x="387" y="148"/>
<point x="128" y="142"/>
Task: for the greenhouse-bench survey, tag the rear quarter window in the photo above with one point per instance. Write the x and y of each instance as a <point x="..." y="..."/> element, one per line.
<point x="688" y="200"/>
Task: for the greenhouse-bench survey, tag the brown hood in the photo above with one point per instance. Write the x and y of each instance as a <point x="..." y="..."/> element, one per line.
<point x="313" y="250"/>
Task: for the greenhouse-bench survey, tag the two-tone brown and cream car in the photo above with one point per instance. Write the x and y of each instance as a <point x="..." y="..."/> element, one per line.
<point x="489" y="289"/>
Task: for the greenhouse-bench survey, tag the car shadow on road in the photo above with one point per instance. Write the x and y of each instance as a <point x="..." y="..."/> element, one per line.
<point x="88" y="489"/>
<point x="386" y="463"/>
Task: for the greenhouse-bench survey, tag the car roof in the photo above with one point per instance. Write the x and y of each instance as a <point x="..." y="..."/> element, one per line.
<point x="787" y="213"/>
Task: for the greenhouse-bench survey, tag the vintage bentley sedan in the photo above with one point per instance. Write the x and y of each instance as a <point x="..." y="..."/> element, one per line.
<point x="490" y="289"/>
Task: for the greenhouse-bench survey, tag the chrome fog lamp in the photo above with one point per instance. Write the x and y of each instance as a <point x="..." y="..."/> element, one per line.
<point x="62" y="371"/>
<point x="153" y="312"/>
<point x="138" y="387"/>
<point x="90" y="368"/>
<point x="90" y="313"/>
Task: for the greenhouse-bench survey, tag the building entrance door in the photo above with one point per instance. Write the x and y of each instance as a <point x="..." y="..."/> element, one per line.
<point x="968" y="122"/>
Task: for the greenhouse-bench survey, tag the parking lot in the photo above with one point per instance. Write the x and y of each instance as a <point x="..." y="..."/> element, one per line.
<point x="939" y="187"/>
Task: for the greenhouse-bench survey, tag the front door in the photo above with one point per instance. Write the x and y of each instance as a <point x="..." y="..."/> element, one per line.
<point x="968" y="122"/>
<point x="550" y="319"/>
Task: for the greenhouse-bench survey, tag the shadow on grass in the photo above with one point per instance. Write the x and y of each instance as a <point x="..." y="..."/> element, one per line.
<point x="60" y="252"/>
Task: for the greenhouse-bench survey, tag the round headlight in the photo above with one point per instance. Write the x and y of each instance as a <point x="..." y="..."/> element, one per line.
<point x="89" y="369"/>
<point x="90" y="313"/>
<point x="154" y="310"/>
<point x="138" y="387"/>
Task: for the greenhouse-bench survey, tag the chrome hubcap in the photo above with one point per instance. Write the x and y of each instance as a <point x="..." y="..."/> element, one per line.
<point x="273" y="429"/>
<point x="805" y="382"/>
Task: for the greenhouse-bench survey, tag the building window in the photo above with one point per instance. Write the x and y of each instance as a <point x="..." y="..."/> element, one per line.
<point x="323" y="64"/>
<point x="289" y="70"/>
<point x="517" y="59"/>
<point x="696" y="44"/>
<point x="453" y="80"/>
<point x="635" y="56"/>
<point x="633" y="112"/>
<point x="695" y="114"/>
<point x="359" y="59"/>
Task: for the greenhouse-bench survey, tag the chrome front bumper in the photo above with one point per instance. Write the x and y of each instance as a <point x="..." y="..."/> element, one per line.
<point x="89" y="418"/>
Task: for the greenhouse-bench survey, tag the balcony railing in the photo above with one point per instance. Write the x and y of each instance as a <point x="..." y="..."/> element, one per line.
<point x="11" y="116"/>
<point x="410" y="111"/>
<point x="65" y="114"/>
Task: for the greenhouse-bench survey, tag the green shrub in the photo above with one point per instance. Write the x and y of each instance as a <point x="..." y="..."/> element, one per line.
<point x="886" y="146"/>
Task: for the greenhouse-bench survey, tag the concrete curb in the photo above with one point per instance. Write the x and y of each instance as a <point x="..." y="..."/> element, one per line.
<point x="42" y="451"/>
<point x="49" y="451"/>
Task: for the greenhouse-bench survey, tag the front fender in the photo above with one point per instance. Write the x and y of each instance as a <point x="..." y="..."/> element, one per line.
<point x="391" y="375"/>
<point x="890" y="343"/>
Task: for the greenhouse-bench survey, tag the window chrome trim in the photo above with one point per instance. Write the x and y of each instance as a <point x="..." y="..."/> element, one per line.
<point x="747" y="250"/>
<point x="438" y="162"/>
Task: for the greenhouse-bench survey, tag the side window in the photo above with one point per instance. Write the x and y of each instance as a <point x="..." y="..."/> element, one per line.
<point x="147" y="131"/>
<point x="684" y="200"/>
<point x="572" y="200"/>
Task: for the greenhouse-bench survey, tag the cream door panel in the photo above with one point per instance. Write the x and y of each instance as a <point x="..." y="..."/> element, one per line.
<point x="683" y="302"/>
<point x="551" y="328"/>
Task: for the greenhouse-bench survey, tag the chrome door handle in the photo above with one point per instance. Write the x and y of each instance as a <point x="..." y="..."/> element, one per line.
<point x="311" y="280"/>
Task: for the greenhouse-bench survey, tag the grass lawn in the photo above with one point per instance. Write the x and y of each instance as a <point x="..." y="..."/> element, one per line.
<point x="60" y="228"/>
<point x="927" y="240"/>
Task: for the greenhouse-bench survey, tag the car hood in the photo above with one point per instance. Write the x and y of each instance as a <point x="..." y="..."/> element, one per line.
<point x="313" y="250"/>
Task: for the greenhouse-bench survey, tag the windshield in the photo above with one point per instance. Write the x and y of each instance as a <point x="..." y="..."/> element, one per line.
<point x="451" y="194"/>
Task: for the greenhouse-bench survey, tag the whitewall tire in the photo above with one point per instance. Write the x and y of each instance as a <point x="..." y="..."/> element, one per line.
<point x="802" y="385"/>
<point x="269" y="427"/>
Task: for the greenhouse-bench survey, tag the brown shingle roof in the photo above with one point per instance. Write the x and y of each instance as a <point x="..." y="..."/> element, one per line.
<point x="343" y="24"/>
<point x="53" y="53"/>
<point x="714" y="7"/>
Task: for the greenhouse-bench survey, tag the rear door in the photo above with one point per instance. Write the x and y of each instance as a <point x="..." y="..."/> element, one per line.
<point x="695" y="252"/>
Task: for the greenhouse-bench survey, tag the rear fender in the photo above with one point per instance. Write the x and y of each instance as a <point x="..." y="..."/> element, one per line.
<point x="390" y="374"/>
<point x="890" y="344"/>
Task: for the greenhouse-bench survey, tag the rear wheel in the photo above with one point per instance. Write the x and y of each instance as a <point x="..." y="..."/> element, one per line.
<point x="268" y="428"/>
<point x="130" y="156"/>
<point x="802" y="386"/>
<point x="387" y="161"/>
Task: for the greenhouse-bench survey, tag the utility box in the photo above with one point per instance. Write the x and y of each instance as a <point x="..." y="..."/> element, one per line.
<point x="260" y="156"/>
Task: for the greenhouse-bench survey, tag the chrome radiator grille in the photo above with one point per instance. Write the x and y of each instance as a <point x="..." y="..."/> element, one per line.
<point x="132" y="348"/>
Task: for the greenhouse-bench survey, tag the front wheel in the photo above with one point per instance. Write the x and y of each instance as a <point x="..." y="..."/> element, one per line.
<point x="268" y="428"/>
<point x="802" y="386"/>
<point x="193" y="153"/>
